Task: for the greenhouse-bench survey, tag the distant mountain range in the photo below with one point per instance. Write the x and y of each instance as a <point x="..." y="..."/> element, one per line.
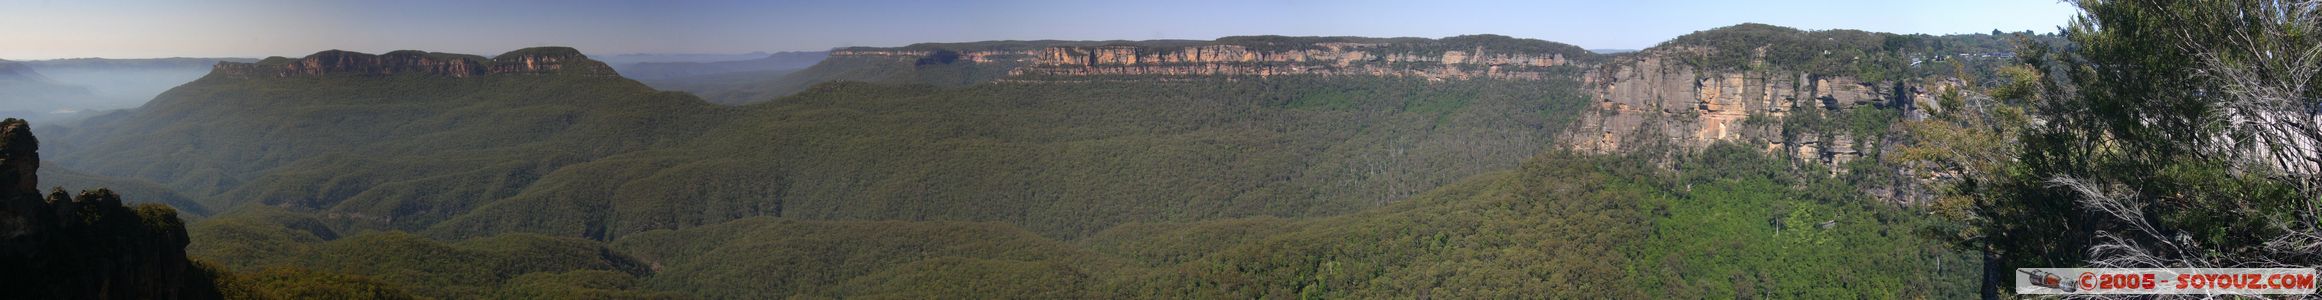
<point x="1242" y="167"/>
<point x="26" y="93"/>
<point x="618" y="60"/>
<point x="65" y="89"/>
<point x="773" y="62"/>
<point x="423" y="143"/>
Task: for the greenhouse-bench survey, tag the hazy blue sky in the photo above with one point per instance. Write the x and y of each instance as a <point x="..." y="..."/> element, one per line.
<point x="41" y="29"/>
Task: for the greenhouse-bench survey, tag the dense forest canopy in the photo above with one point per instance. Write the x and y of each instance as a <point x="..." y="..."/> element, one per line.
<point x="2148" y="134"/>
<point x="2165" y="134"/>
<point x="1874" y="56"/>
<point x="1286" y="186"/>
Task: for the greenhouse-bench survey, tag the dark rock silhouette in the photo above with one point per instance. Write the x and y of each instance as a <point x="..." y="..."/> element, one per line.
<point x="88" y="246"/>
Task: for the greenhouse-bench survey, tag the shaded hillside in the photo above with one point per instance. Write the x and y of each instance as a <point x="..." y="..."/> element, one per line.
<point x="352" y="133"/>
<point x="1246" y="167"/>
<point x="132" y="190"/>
<point x="589" y="156"/>
<point x="286" y="255"/>
<point x="1562" y="226"/>
<point x="1045" y="156"/>
<point x="1559" y="225"/>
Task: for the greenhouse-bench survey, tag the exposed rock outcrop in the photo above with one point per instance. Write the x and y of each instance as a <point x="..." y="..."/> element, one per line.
<point x="88" y="246"/>
<point x="543" y="60"/>
<point x="1330" y="60"/>
<point x="1420" y="58"/>
<point x="1654" y="92"/>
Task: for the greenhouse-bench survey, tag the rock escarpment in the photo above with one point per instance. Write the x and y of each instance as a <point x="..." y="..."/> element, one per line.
<point x="543" y="60"/>
<point x="88" y="246"/>
<point x="1655" y="93"/>
<point x="1456" y="58"/>
<point x="1330" y="59"/>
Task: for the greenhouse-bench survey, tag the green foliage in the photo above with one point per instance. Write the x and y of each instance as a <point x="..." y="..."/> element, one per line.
<point x="768" y="258"/>
<point x="598" y="158"/>
<point x="582" y="284"/>
<point x="254" y="236"/>
<point x="293" y="283"/>
<point x="1283" y="43"/>
<point x="1489" y="43"/>
<point x="376" y="146"/>
<point x="1738" y="231"/>
<point x="288" y="255"/>
<point x="159" y="219"/>
<point x="1503" y="44"/>
<point x="1833" y="52"/>
<point x="956" y="277"/>
<point x="538" y="52"/>
<point x="1564" y="225"/>
<point x="1290" y="186"/>
<point x="2142" y="154"/>
<point x="132" y="190"/>
<point x="1869" y="56"/>
<point x="1165" y="244"/>
<point x="204" y="277"/>
<point x="438" y="269"/>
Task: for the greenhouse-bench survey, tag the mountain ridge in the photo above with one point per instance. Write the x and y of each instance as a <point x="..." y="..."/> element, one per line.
<point x="1372" y="185"/>
<point x="536" y="60"/>
<point x="1482" y="56"/>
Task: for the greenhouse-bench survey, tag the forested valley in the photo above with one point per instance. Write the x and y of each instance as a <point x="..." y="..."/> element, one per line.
<point x="1748" y="161"/>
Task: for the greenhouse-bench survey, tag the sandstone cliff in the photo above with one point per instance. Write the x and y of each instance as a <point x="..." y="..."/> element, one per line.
<point x="1456" y="58"/>
<point x="88" y="246"/>
<point x="543" y="60"/>
<point x="1654" y="94"/>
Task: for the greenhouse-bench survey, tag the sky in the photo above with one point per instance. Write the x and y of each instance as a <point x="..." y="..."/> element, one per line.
<point x="49" y="29"/>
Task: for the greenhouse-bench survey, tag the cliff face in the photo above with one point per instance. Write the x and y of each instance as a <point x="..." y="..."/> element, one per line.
<point x="88" y="246"/>
<point x="545" y="60"/>
<point x="1328" y="59"/>
<point x="1654" y="92"/>
<point x="1421" y="58"/>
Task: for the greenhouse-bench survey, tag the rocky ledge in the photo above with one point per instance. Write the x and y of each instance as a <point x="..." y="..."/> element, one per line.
<point x="1654" y="93"/>
<point x="1463" y="57"/>
<point x="541" y="60"/>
